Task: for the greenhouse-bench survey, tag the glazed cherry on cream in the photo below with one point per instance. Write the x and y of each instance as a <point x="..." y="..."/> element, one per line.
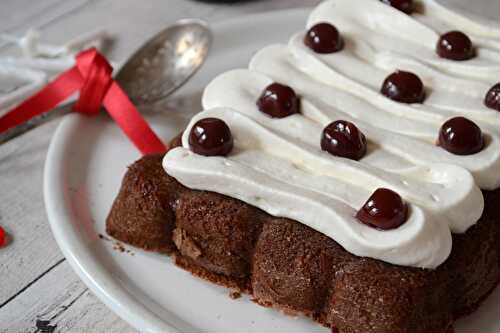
<point x="406" y="6"/>
<point x="385" y="210"/>
<point x="404" y="87"/>
<point x="324" y="38"/>
<point x="278" y="101"/>
<point x="344" y="139"/>
<point x="455" y="45"/>
<point x="492" y="99"/>
<point x="461" y="136"/>
<point x="211" y="137"/>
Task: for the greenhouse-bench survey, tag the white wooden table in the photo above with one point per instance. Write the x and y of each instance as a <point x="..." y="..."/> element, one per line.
<point x="38" y="290"/>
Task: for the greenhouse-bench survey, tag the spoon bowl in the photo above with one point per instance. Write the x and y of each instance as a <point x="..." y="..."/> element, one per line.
<point x="166" y="62"/>
<point x="160" y="67"/>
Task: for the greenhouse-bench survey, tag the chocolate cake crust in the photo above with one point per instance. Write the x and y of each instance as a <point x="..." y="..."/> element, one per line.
<point x="142" y="214"/>
<point x="289" y="266"/>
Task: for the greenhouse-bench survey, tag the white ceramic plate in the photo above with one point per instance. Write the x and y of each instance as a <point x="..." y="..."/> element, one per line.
<point x="85" y="164"/>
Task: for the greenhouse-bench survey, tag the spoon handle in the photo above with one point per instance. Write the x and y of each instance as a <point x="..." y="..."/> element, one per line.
<point x="35" y="122"/>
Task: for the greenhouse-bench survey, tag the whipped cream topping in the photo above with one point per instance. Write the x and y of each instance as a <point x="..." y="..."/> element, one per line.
<point x="278" y="166"/>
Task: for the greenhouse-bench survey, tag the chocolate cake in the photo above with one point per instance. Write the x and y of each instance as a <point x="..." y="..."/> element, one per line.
<point x="352" y="175"/>
<point x="283" y="264"/>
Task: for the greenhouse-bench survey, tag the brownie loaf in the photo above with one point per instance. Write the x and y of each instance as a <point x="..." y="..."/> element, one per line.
<point x="289" y="266"/>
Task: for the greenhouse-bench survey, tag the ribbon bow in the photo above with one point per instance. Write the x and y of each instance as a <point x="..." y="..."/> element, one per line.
<point x="91" y="76"/>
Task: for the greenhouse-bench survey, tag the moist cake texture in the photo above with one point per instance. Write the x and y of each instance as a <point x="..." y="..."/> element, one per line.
<point x="286" y="265"/>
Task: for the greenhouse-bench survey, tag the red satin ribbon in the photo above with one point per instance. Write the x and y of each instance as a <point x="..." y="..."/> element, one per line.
<point x="2" y="237"/>
<point x="92" y="77"/>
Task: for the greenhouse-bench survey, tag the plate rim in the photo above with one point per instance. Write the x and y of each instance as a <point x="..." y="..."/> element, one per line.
<point x="116" y="298"/>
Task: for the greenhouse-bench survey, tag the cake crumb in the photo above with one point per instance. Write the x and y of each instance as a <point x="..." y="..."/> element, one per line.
<point x="103" y="237"/>
<point x="235" y="294"/>
<point x="119" y="247"/>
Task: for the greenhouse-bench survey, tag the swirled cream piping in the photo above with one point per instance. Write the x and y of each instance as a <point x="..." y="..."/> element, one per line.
<point x="278" y="166"/>
<point x="407" y="131"/>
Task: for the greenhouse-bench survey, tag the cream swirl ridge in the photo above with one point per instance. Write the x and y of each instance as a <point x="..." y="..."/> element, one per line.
<point x="321" y="191"/>
<point x="278" y="166"/>
<point x="443" y="188"/>
<point x="413" y="36"/>
<point x="323" y="202"/>
<point x="340" y="96"/>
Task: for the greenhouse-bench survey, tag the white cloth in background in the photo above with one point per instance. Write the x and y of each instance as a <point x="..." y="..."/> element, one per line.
<point x="21" y="76"/>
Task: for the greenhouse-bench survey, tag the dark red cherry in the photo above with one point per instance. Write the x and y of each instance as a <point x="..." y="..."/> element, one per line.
<point x="211" y="137"/>
<point x="278" y="101"/>
<point x="404" y="87"/>
<point x="406" y="6"/>
<point x="344" y="139"/>
<point x="460" y="136"/>
<point x="455" y="45"/>
<point x="385" y="210"/>
<point x="492" y="99"/>
<point x="324" y="38"/>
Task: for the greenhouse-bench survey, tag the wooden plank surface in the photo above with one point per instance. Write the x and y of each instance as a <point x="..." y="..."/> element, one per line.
<point x="60" y="302"/>
<point x="38" y="290"/>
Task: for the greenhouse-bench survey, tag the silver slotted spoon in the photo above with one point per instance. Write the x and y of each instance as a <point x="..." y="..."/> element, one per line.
<point x="160" y="67"/>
